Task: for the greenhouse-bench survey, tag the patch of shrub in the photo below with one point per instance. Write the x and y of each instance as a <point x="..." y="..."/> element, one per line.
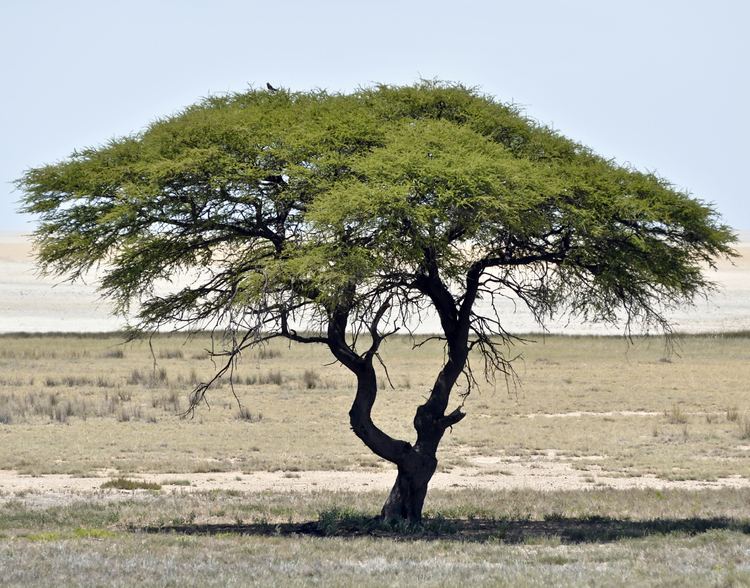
<point x="168" y="402"/>
<point x="127" y="414"/>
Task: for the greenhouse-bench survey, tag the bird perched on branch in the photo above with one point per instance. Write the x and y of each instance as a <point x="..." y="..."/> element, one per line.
<point x="271" y="88"/>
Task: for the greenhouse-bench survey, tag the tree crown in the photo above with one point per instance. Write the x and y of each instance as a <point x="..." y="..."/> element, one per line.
<point x="359" y="210"/>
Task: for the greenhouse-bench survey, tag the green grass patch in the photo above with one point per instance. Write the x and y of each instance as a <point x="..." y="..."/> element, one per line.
<point x="126" y="484"/>
<point x="80" y="533"/>
<point x="347" y="522"/>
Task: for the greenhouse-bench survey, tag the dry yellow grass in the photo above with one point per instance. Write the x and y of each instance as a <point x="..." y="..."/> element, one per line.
<point x="82" y="404"/>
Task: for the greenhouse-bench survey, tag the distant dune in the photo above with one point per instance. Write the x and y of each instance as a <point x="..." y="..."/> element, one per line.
<point x="29" y="302"/>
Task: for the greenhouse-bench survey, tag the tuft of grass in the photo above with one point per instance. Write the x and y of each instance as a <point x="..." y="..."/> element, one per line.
<point x="310" y="379"/>
<point x="74" y="381"/>
<point x="171" y="354"/>
<point x="191" y="378"/>
<point x="733" y="414"/>
<point x="676" y="416"/>
<point x="244" y="414"/>
<point x="103" y="382"/>
<point x="268" y="353"/>
<point x="744" y="425"/>
<point x="136" y="377"/>
<point x="126" y="484"/>
<point x="114" y="354"/>
<point x="155" y="378"/>
<point x="177" y="482"/>
<point x="273" y="377"/>
<point x="6" y="416"/>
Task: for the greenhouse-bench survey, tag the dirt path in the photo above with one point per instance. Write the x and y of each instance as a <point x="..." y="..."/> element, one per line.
<point x="484" y="473"/>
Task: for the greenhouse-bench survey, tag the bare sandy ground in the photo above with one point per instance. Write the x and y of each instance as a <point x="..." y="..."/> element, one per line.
<point x="30" y="302"/>
<point x="544" y="472"/>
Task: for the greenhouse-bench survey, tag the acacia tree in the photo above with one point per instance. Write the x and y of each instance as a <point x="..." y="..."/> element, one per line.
<point x="340" y="219"/>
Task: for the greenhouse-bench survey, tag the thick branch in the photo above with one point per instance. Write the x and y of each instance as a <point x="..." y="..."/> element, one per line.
<point x="360" y="418"/>
<point x="452" y="418"/>
<point x="360" y="414"/>
<point x="291" y="334"/>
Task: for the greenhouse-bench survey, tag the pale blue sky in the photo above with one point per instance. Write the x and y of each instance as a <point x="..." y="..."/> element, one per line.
<point x="660" y="84"/>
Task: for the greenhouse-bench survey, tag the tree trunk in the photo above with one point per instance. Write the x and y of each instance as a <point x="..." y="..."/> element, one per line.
<point x="406" y="499"/>
<point x="416" y="463"/>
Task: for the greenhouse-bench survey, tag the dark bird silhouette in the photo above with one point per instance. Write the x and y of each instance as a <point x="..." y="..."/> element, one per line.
<point x="271" y="88"/>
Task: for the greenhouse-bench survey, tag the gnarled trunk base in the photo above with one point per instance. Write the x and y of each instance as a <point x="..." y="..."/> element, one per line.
<point x="407" y="496"/>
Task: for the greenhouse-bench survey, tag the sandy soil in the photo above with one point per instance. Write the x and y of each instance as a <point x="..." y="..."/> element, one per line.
<point x="580" y="413"/>
<point x="30" y="302"/>
<point x="542" y="472"/>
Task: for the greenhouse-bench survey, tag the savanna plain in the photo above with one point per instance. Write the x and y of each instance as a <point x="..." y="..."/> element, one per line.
<point x="607" y="461"/>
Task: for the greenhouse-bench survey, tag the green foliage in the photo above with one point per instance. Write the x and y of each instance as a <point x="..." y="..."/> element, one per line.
<point x="286" y="205"/>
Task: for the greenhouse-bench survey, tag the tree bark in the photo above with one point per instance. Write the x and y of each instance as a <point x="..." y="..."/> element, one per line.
<point x="360" y="419"/>
<point x="418" y="465"/>
<point x="406" y="499"/>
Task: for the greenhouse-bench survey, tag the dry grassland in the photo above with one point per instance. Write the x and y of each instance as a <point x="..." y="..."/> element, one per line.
<point x="538" y="486"/>
<point x="82" y="405"/>
<point x="511" y="538"/>
<point x="715" y="558"/>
